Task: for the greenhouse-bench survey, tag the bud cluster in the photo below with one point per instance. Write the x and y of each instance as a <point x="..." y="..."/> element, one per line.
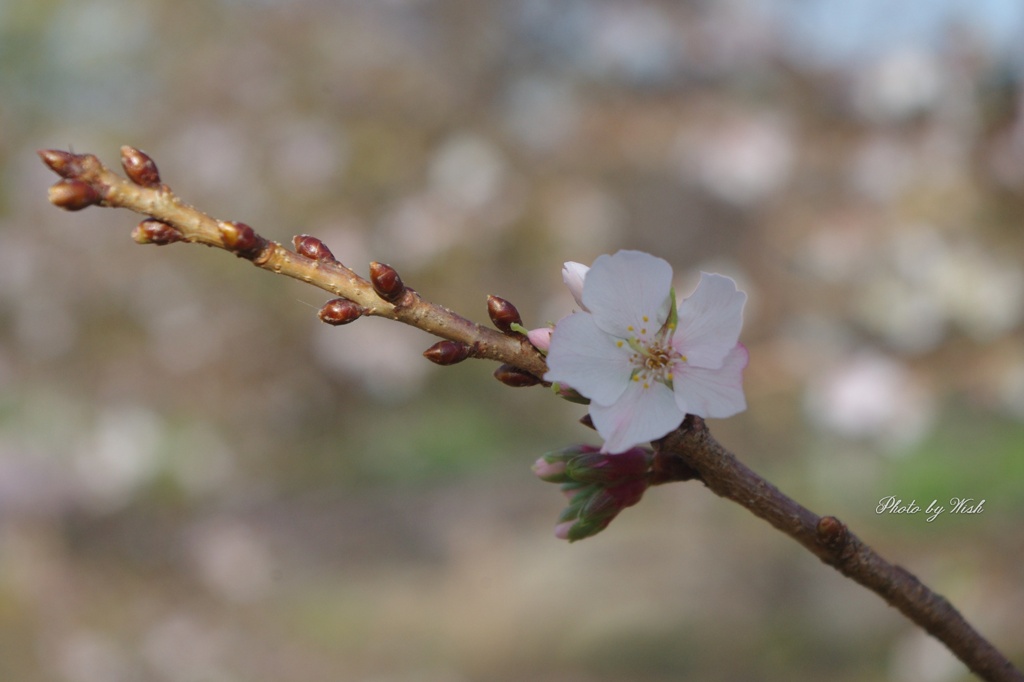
<point x="598" y="485"/>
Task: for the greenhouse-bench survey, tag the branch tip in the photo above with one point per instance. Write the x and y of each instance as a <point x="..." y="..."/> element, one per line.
<point x="64" y="164"/>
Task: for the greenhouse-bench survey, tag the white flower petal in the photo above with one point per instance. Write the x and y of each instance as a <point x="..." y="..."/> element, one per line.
<point x="588" y="360"/>
<point x="573" y="274"/>
<point x="628" y="290"/>
<point x="713" y="393"/>
<point x="639" y="416"/>
<point x="710" y="321"/>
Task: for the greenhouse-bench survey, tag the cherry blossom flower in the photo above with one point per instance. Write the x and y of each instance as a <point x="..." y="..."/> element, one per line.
<point x="643" y="363"/>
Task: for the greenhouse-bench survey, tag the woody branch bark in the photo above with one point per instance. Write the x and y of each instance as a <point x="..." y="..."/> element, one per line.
<point x="88" y="182"/>
<point x="688" y="453"/>
<point x="691" y="452"/>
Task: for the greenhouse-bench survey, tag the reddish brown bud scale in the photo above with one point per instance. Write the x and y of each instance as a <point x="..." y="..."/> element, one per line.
<point x="73" y="195"/>
<point x="503" y="314"/>
<point x="832" y="532"/>
<point x="153" y="231"/>
<point x="340" y="311"/>
<point x="64" y="164"/>
<point x="139" y="167"/>
<point x="241" y="239"/>
<point x="447" y="352"/>
<point x="386" y="282"/>
<point x="313" y="248"/>
<point x="515" y="377"/>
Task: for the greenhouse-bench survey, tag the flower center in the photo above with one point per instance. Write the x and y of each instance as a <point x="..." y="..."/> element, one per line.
<point x="653" y="359"/>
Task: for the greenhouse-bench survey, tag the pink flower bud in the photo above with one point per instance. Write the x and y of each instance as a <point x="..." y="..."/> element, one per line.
<point x="562" y="529"/>
<point x="540" y="338"/>
<point x="553" y="472"/>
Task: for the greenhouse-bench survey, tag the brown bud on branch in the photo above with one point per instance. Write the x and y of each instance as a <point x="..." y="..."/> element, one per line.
<point x="139" y="167"/>
<point x="240" y="239"/>
<point x="73" y="195"/>
<point x="153" y="231"/>
<point x="515" y="377"/>
<point x="447" y="352"/>
<point x="832" y="532"/>
<point x="386" y="282"/>
<point x="340" y="311"/>
<point x="313" y="248"/>
<point x="503" y="314"/>
<point x="64" y="164"/>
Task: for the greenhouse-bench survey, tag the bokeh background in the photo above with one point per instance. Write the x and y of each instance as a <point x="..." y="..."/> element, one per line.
<point x="199" y="482"/>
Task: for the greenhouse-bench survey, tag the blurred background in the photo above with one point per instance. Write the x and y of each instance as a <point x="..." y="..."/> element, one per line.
<point x="199" y="482"/>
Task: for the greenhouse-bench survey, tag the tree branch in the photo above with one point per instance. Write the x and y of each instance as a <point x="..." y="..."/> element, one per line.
<point x="88" y="182"/>
<point x="692" y="452"/>
<point x="688" y="453"/>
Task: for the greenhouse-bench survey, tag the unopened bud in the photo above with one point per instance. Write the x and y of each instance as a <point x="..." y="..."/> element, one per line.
<point x="386" y="282"/>
<point x="241" y="239"/>
<point x="139" y="167"/>
<point x="153" y="231"/>
<point x="540" y="338"/>
<point x="313" y="248"/>
<point x="64" y="164"/>
<point x="599" y="467"/>
<point x="503" y="314"/>
<point x="601" y="507"/>
<point x="447" y="352"/>
<point x="340" y="311"/>
<point x="832" y="532"/>
<point x="552" y="472"/>
<point x="515" y="377"/>
<point x="73" y="195"/>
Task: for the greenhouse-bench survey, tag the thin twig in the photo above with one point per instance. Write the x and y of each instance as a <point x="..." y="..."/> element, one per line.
<point x="88" y="182"/>
<point x="692" y="451"/>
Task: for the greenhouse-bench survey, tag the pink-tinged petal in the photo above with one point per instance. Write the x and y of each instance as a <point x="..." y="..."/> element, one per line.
<point x="573" y="274"/>
<point x="562" y="529"/>
<point x="588" y="360"/>
<point x="628" y="293"/>
<point x="710" y="321"/>
<point x="713" y="393"/>
<point x="540" y="338"/>
<point x="640" y="416"/>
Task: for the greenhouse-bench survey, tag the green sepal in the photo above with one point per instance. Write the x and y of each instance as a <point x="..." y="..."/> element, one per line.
<point x="569" y="394"/>
<point x="673" y="312"/>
